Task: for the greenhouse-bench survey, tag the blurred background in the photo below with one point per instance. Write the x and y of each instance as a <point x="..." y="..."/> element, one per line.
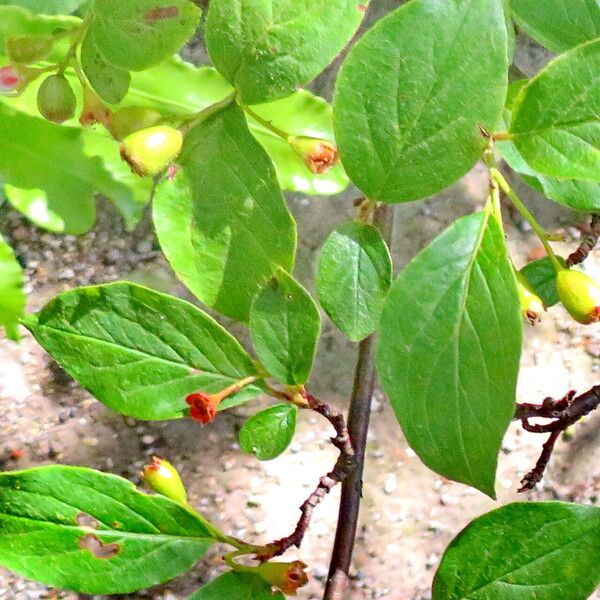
<point x="409" y="514"/>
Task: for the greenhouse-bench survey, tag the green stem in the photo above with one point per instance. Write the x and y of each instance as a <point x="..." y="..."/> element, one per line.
<point x="267" y="124"/>
<point x="195" y="119"/>
<point x="501" y="181"/>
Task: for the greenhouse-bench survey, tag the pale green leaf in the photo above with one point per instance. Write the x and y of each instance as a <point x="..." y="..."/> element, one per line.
<point x="46" y="7"/>
<point x="12" y="297"/>
<point x="223" y="223"/>
<point x="137" y="34"/>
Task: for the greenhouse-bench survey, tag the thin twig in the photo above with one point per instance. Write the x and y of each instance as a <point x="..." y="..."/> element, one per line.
<point x="563" y="413"/>
<point x="344" y="466"/>
<point x="358" y="426"/>
<point x="588" y="244"/>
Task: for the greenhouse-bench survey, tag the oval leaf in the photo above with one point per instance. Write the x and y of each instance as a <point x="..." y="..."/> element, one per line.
<point x="138" y="351"/>
<point x="353" y="277"/>
<point x="415" y="128"/>
<point x="541" y="274"/>
<point x="561" y="24"/>
<point x="555" y="123"/>
<point x="12" y="296"/>
<point x="545" y="551"/>
<point x="137" y="34"/>
<point x="237" y="586"/>
<point x="87" y="531"/>
<point x="110" y="82"/>
<point x="223" y="224"/>
<point x="284" y="326"/>
<point x="268" y="433"/>
<point x="449" y="348"/>
<point x="268" y="48"/>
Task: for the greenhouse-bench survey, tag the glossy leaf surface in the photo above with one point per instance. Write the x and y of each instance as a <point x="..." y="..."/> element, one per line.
<point x="522" y="551"/>
<point x="412" y="96"/>
<point x="284" y="326"/>
<point x="87" y="531"/>
<point x="236" y="586"/>
<point x="541" y="274"/>
<point x="268" y="433"/>
<point x="555" y="122"/>
<point x="561" y="24"/>
<point x="353" y="277"/>
<point x="223" y="223"/>
<point x="268" y="48"/>
<point x="138" y="351"/>
<point x="449" y="348"/>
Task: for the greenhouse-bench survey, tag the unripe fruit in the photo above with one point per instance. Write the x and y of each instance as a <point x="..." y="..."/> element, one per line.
<point x="318" y="155"/>
<point x="56" y="99"/>
<point x="162" y="477"/>
<point x="288" y="577"/>
<point x="532" y="306"/>
<point x="26" y="49"/>
<point x="150" y="150"/>
<point x="130" y="119"/>
<point x="579" y="294"/>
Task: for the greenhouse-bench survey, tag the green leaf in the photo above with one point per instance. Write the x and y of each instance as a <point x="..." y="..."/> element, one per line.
<point x="574" y="193"/>
<point x="284" y="326"/>
<point x="353" y="277"/>
<point x="541" y="274"/>
<point x="522" y="551"/>
<point x="555" y="123"/>
<point x="415" y="127"/>
<point x="223" y="224"/>
<point x="141" y="352"/>
<point x="268" y="433"/>
<point x="561" y="24"/>
<point x="53" y="181"/>
<point x="12" y="297"/>
<point x="237" y="586"/>
<point x="55" y="7"/>
<point x="179" y="88"/>
<point x="137" y="34"/>
<point x="268" y="48"/>
<point x="449" y="347"/>
<point x="110" y="82"/>
<point x="87" y="531"/>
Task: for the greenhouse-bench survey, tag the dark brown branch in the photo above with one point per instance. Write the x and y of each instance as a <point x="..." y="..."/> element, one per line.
<point x="588" y="244"/>
<point x="358" y="426"/>
<point x="344" y="466"/>
<point x="563" y="413"/>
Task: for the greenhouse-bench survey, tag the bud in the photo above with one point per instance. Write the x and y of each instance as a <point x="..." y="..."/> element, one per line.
<point x="130" y="119"/>
<point x="532" y="305"/>
<point x="288" y="577"/>
<point x="580" y="295"/>
<point x="150" y="150"/>
<point x="26" y="49"/>
<point x="94" y="110"/>
<point x="56" y="99"/>
<point x="318" y="155"/>
<point x="162" y="477"/>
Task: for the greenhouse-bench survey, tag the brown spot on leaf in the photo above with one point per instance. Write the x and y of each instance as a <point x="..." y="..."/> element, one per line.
<point x="117" y="524"/>
<point x="159" y="13"/>
<point x="97" y="547"/>
<point x="361" y="8"/>
<point x="85" y="520"/>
